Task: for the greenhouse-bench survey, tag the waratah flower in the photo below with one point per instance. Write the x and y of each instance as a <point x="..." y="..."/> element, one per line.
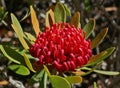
<point x="62" y="46"/>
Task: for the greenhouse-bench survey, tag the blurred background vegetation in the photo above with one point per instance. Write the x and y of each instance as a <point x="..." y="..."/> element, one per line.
<point x="105" y="12"/>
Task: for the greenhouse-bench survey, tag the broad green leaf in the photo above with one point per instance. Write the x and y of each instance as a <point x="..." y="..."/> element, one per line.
<point x="19" y="69"/>
<point x="43" y="82"/>
<point x="59" y="13"/>
<point x="98" y="39"/>
<point x="67" y="10"/>
<point x="101" y="56"/>
<point x="75" y="20"/>
<point x="20" y="36"/>
<point x="30" y="36"/>
<point x="89" y="27"/>
<point x="35" y="21"/>
<point x="101" y="71"/>
<point x="47" y="71"/>
<point x="49" y="19"/>
<point x="59" y="82"/>
<point x="28" y="63"/>
<point x="74" y="79"/>
<point x="12" y="55"/>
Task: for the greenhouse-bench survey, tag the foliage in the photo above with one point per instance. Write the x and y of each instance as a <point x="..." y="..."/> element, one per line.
<point x="22" y="63"/>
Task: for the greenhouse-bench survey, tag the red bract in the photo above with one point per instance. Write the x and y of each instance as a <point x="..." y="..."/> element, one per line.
<point x="63" y="47"/>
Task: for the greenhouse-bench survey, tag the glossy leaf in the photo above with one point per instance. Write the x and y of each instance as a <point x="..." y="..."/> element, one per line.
<point x="49" y="19"/>
<point x="22" y="41"/>
<point x="12" y="55"/>
<point x="98" y="39"/>
<point x="74" y="79"/>
<point x="47" y="71"/>
<point x="100" y="57"/>
<point x="89" y="27"/>
<point x="19" y="69"/>
<point x="35" y="21"/>
<point x="75" y="20"/>
<point x="30" y="36"/>
<point x="28" y="63"/>
<point x="59" y="13"/>
<point x="59" y="82"/>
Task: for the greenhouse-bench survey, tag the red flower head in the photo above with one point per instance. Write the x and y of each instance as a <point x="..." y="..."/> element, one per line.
<point x="65" y="48"/>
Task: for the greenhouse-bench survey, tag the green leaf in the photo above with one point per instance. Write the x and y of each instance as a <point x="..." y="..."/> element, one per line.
<point x="28" y="63"/>
<point x="35" y="21"/>
<point x="19" y="69"/>
<point x="43" y="82"/>
<point x="26" y="15"/>
<point x="89" y="27"/>
<point x="30" y="37"/>
<point x="98" y="39"/>
<point x="75" y="20"/>
<point x="74" y="79"/>
<point x="59" y="82"/>
<point x="100" y="57"/>
<point x="101" y="71"/>
<point x="49" y="19"/>
<point x="59" y="13"/>
<point x="107" y="72"/>
<point x="38" y="75"/>
<point x="67" y="10"/>
<point x="18" y="29"/>
<point x="12" y="55"/>
<point x="95" y="85"/>
<point x="47" y="71"/>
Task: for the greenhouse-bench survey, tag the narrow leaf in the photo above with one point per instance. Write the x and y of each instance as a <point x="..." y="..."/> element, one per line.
<point x="101" y="56"/>
<point x="89" y="27"/>
<point x="59" y="82"/>
<point x="47" y="71"/>
<point x="95" y="85"/>
<point x="35" y="21"/>
<point x="28" y="63"/>
<point x="30" y="36"/>
<point x="12" y="55"/>
<point x="59" y="13"/>
<point x="43" y="82"/>
<point x="20" y="36"/>
<point x="49" y="19"/>
<point x="98" y="39"/>
<point x="26" y="15"/>
<point x="19" y="69"/>
<point x="75" y="20"/>
<point x="74" y="79"/>
<point x="67" y="10"/>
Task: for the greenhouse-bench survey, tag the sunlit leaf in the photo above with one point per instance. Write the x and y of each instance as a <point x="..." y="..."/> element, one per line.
<point x="89" y="27"/>
<point x="59" y="82"/>
<point x="28" y="63"/>
<point x="19" y="69"/>
<point x="59" y="13"/>
<point x="47" y="71"/>
<point x="12" y="54"/>
<point x="78" y="72"/>
<point x="74" y="79"/>
<point x="20" y="36"/>
<point x="100" y="57"/>
<point x="98" y="39"/>
<point x="35" y="21"/>
<point x="95" y="85"/>
<point x="30" y="36"/>
<point x="49" y="19"/>
<point x="75" y="20"/>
